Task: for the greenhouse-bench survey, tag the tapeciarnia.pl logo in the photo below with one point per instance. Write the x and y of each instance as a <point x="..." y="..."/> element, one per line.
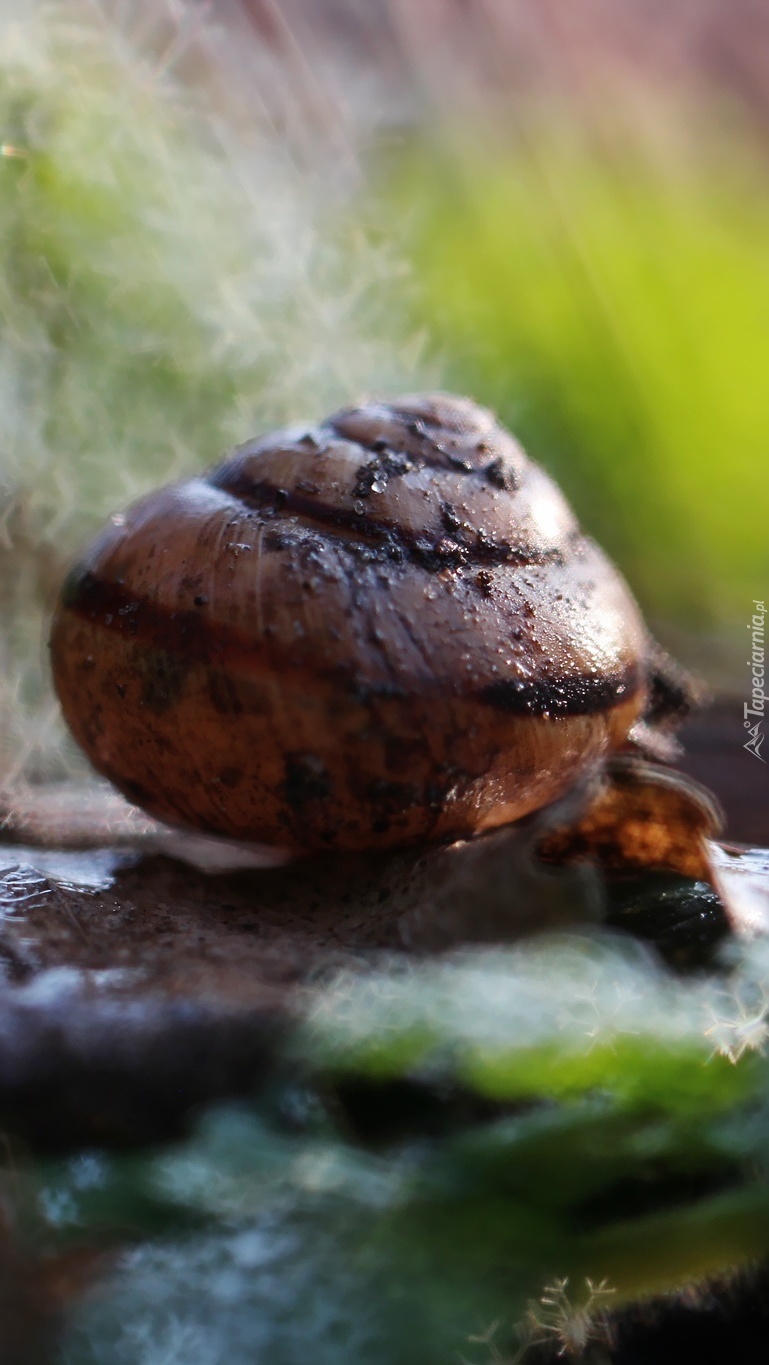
<point x="754" y="710"/>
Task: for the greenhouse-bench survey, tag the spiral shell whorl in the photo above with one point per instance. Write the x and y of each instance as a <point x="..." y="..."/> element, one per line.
<point x="382" y="629"/>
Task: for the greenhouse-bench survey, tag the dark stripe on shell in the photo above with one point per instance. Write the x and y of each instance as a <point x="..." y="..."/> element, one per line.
<point x="195" y="637"/>
<point x="432" y="552"/>
<point x="570" y="695"/>
<point x="429" y="448"/>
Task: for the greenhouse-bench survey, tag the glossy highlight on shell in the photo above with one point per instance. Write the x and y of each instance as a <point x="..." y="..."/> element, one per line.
<point x="381" y="630"/>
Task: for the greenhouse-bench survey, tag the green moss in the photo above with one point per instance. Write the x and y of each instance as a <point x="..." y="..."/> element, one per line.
<point x="621" y="1148"/>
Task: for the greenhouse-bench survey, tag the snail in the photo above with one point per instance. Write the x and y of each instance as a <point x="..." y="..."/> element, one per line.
<point x="382" y="631"/>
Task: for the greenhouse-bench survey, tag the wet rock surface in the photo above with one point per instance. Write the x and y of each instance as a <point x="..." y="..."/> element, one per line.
<point x="137" y="987"/>
<point x="140" y="985"/>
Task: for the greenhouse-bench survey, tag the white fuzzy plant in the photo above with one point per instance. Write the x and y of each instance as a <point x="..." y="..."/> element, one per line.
<point x="172" y="281"/>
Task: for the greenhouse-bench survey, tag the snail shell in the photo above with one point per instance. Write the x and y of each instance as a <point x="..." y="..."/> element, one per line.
<point x="381" y="630"/>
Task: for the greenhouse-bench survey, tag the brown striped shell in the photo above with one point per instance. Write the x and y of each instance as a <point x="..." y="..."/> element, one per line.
<point x="384" y="629"/>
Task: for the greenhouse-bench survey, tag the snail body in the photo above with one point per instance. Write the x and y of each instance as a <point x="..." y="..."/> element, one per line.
<point x="383" y="630"/>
